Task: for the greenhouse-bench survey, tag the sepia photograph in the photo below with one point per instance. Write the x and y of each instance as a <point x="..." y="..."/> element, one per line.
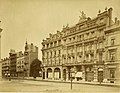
<point x="60" y="46"/>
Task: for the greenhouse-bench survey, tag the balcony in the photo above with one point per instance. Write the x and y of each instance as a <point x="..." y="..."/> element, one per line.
<point x="64" y="55"/>
<point x="71" y="55"/>
<point x="101" y="38"/>
<point x="91" y="51"/>
<point x="87" y="52"/>
<point x="100" y="50"/>
<point x="100" y="62"/>
<point x="79" y="53"/>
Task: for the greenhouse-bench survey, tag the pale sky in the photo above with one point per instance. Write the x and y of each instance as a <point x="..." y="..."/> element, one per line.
<point x="35" y="19"/>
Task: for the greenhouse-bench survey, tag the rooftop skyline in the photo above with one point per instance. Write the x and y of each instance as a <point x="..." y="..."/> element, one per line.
<point x="35" y="19"/>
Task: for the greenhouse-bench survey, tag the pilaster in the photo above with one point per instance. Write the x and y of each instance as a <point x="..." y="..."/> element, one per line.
<point x="83" y="73"/>
<point x="95" y="74"/>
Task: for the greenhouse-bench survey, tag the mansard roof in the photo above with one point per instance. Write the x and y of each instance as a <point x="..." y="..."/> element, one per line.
<point x="84" y="23"/>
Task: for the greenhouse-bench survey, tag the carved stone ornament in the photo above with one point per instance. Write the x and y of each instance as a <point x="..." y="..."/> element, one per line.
<point x="82" y="17"/>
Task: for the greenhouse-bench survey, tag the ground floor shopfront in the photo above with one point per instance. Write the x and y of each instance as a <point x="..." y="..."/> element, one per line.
<point x="90" y="73"/>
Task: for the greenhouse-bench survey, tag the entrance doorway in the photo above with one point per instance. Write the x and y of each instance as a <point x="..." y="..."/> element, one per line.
<point x="49" y="73"/>
<point x="100" y="76"/>
<point x="57" y="74"/>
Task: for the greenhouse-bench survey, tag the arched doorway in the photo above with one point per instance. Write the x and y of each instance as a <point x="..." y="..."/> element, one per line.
<point x="57" y="74"/>
<point x="49" y="73"/>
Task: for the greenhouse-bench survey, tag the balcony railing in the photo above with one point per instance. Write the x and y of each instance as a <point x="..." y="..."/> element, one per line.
<point x="100" y="62"/>
<point x="79" y="53"/>
<point x="87" y="52"/>
<point x="91" y="51"/>
<point x="100" y="50"/>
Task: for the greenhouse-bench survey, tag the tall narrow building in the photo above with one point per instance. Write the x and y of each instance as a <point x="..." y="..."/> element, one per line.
<point x="30" y="54"/>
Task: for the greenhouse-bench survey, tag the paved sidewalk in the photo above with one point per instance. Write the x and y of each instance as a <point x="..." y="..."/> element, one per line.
<point x="75" y="82"/>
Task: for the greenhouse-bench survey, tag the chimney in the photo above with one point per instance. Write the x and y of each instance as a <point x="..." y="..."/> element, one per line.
<point x="110" y="15"/>
<point x="115" y="20"/>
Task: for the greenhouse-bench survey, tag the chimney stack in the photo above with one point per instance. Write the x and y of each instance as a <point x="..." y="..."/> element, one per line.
<point x="110" y="16"/>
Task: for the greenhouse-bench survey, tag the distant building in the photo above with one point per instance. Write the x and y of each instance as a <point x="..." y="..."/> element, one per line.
<point x="30" y="54"/>
<point x="35" y="68"/>
<point x="13" y="60"/>
<point x="112" y="53"/>
<point x="20" y="64"/>
<point x="88" y="51"/>
<point x="5" y="67"/>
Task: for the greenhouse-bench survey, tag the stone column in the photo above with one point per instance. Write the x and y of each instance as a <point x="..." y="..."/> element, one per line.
<point x="106" y="73"/>
<point x="45" y="73"/>
<point x="0" y="56"/>
<point x="61" y="70"/>
<point x="75" y="69"/>
<point x="95" y="54"/>
<point x="67" y="74"/>
<point x="75" y="53"/>
<point x="83" y="47"/>
<point x="53" y="74"/>
<point x="95" y="74"/>
<point x="83" y="73"/>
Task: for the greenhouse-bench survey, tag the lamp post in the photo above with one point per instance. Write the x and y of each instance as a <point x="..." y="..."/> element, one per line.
<point x="71" y="77"/>
<point x="40" y="73"/>
<point x="9" y="77"/>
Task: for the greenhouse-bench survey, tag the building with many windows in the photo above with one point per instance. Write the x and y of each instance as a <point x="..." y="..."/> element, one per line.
<point x="13" y="60"/>
<point x="5" y="67"/>
<point x="88" y="51"/>
<point x="20" y="64"/>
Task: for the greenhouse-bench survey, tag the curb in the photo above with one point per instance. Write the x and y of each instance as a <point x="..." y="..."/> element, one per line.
<point x="68" y="82"/>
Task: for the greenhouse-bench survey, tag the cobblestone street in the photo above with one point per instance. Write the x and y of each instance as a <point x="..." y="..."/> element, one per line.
<point x="41" y="86"/>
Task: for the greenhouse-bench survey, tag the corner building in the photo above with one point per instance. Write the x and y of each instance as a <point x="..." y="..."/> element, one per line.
<point x="88" y="51"/>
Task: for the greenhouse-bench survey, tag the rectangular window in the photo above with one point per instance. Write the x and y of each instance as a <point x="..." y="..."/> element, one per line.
<point x="73" y="38"/>
<point x="59" y="42"/>
<point x="112" y="56"/>
<point x="51" y="44"/>
<point x="113" y="41"/>
<point x="70" y="39"/>
<point x="47" y="45"/>
<point x="112" y="73"/>
<point x="55" y="43"/>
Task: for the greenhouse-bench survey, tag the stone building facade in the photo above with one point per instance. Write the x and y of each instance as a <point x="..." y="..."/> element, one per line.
<point x="87" y="51"/>
<point x="13" y="60"/>
<point x="20" y="64"/>
<point x="5" y="67"/>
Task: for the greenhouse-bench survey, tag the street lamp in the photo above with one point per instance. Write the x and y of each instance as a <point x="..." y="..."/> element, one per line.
<point x="9" y="76"/>
<point x="71" y="78"/>
<point x="5" y="75"/>
<point x="40" y="73"/>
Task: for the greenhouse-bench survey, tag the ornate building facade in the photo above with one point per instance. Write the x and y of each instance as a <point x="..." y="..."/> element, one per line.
<point x="88" y="51"/>
<point x="20" y="64"/>
<point x="13" y="60"/>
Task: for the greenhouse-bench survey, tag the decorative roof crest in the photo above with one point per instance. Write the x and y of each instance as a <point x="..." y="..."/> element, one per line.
<point x="82" y="17"/>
